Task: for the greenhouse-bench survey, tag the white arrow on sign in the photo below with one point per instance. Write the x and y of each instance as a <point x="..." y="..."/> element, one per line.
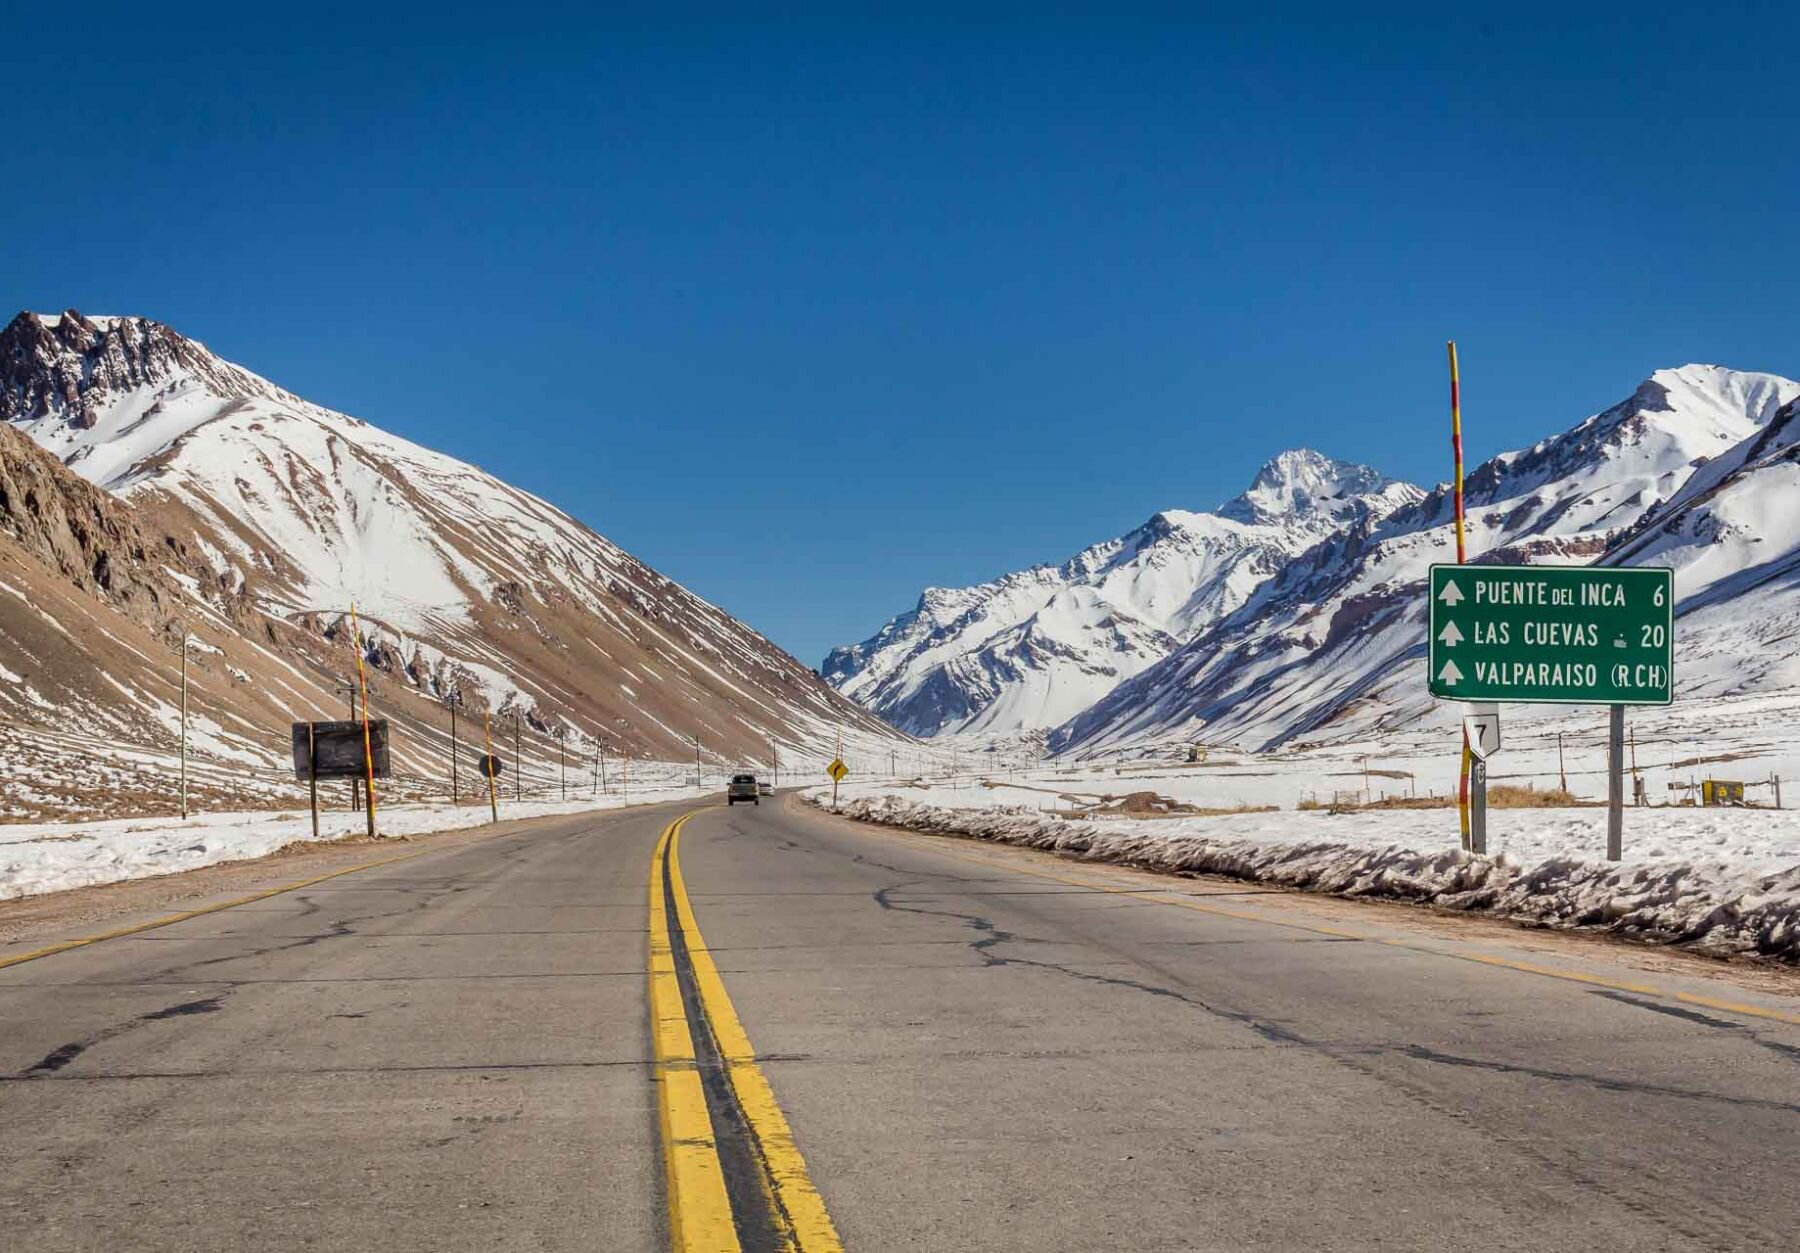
<point x="1482" y="727"/>
<point x="1450" y="674"/>
<point x="1452" y="594"/>
<point x="1450" y="635"/>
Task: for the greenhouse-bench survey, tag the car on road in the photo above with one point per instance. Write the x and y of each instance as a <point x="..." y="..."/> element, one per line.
<point x="765" y="789"/>
<point x="742" y="788"/>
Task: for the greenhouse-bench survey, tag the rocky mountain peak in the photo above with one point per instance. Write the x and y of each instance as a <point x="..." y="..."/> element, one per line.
<point x="70" y="367"/>
<point x="1305" y="485"/>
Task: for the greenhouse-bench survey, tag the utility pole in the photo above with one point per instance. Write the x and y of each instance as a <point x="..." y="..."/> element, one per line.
<point x="184" y="653"/>
<point x="599" y="779"/>
<point x="519" y="754"/>
<point x="362" y="679"/>
<point x="775" y="756"/>
<point x="698" y="783"/>
<point x="562" y="761"/>
<point x="1561" y="770"/>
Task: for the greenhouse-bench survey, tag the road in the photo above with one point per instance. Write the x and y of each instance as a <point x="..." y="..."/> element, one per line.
<point x="892" y="1041"/>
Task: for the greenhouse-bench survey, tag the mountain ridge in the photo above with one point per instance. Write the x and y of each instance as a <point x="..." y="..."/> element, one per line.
<point x="272" y="515"/>
<point x="1014" y="653"/>
<point x="1325" y="646"/>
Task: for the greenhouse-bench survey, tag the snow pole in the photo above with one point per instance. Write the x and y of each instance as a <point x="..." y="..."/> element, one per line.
<point x="362" y="680"/>
<point x="1456" y="451"/>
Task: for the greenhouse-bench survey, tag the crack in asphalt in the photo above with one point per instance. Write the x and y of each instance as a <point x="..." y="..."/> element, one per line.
<point x="62" y="1055"/>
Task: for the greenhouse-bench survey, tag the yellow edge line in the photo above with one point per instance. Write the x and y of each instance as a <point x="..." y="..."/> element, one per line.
<point x="699" y="1208"/>
<point x="794" y="1191"/>
<point x="63" y="946"/>
<point x="1530" y="968"/>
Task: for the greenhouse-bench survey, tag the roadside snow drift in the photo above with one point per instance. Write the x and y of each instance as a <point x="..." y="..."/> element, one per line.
<point x="1720" y="907"/>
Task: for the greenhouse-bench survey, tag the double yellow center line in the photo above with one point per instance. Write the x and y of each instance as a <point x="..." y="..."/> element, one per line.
<point x="736" y="1180"/>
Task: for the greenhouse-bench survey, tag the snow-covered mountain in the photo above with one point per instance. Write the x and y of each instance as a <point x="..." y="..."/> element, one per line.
<point x="1031" y="649"/>
<point x="269" y="516"/>
<point x="1687" y="471"/>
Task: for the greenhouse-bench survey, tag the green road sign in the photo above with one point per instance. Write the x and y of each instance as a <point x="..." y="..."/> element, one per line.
<point x="1569" y="635"/>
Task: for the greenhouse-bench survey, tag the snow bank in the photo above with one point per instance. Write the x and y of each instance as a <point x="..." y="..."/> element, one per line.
<point x="54" y="857"/>
<point x="1713" y="906"/>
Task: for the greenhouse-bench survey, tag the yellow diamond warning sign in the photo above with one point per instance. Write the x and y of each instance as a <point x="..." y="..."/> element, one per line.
<point x="837" y="769"/>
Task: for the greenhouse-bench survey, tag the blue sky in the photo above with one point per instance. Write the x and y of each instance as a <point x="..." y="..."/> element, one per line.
<point x="812" y="313"/>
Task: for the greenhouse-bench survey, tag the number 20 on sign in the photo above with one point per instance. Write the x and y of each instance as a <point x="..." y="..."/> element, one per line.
<point x="1572" y="635"/>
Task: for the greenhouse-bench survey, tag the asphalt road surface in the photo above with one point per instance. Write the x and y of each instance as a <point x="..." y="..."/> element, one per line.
<point x="781" y="1029"/>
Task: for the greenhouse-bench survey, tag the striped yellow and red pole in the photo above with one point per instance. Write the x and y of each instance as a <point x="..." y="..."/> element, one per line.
<point x="1456" y="449"/>
<point x="362" y="679"/>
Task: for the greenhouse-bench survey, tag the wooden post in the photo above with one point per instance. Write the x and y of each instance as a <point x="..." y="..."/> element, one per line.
<point x="518" y="763"/>
<point x="184" y="651"/>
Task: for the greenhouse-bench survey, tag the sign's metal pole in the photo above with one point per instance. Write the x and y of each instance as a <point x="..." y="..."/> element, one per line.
<point x="349" y="690"/>
<point x="1615" y="786"/>
<point x="487" y="739"/>
<point x="312" y="775"/>
<point x="1477" y="805"/>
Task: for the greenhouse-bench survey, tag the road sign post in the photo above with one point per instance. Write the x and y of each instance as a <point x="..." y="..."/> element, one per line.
<point x="1477" y="804"/>
<point x="1569" y="635"/>
<point x="837" y="770"/>
<point x="312" y="776"/>
<point x="1615" y="785"/>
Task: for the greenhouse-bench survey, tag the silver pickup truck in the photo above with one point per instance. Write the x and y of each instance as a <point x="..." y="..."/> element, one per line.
<point x="742" y="788"/>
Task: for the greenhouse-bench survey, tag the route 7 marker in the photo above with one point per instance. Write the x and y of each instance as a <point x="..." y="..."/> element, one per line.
<point x="1482" y="725"/>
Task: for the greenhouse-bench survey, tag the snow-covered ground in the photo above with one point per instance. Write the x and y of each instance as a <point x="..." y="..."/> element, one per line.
<point x="53" y="857"/>
<point x="1723" y="880"/>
